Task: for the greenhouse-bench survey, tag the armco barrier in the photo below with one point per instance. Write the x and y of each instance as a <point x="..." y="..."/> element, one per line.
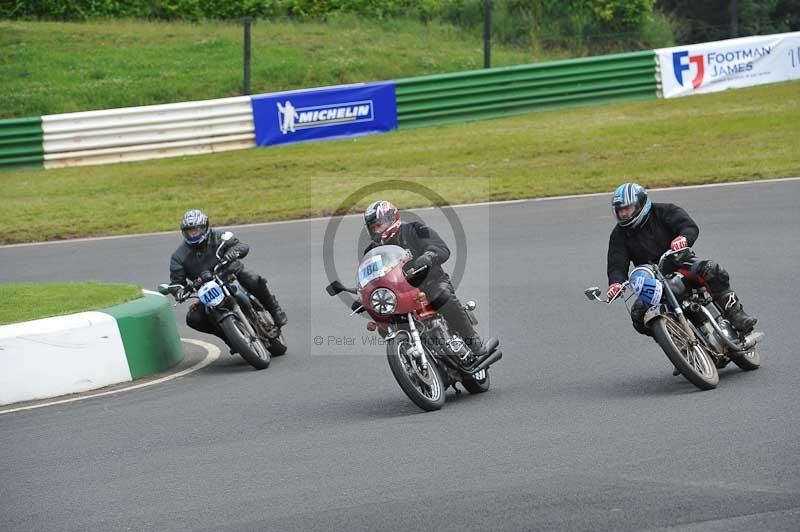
<point x="89" y="350"/>
<point x="150" y="132"/>
<point x="21" y="143"/>
<point x="496" y="92"/>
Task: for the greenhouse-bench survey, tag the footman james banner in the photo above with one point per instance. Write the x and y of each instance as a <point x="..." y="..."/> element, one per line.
<point x="731" y="64"/>
<point x="325" y="113"/>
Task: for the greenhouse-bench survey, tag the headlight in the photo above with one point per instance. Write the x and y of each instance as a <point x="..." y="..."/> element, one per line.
<point x="383" y="301"/>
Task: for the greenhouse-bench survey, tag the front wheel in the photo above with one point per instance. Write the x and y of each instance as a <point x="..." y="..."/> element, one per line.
<point x="422" y="385"/>
<point x="248" y="345"/>
<point x="690" y="358"/>
<point x="477" y="383"/>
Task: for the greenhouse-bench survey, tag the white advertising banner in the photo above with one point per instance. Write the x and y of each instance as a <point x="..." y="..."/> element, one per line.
<point x="731" y="64"/>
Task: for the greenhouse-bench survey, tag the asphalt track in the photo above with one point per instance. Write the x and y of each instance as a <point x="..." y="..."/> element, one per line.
<point x="584" y="428"/>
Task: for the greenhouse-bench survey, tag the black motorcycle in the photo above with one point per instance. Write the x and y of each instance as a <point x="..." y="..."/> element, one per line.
<point x="688" y="324"/>
<point x="247" y="326"/>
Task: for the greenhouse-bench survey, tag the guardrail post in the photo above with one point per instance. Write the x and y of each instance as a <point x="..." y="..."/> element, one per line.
<point x="246" y="84"/>
<point x="487" y="33"/>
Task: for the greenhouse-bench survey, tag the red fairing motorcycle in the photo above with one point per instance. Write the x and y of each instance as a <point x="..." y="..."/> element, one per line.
<point x="424" y="355"/>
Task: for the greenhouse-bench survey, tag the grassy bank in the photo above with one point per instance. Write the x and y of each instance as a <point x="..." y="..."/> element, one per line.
<point x="24" y="302"/>
<point x="50" y="68"/>
<point x="734" y="135"/>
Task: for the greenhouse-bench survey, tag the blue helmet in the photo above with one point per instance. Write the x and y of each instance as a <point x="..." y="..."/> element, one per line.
<point x="631" y="195"/>
<point x="194" y="227"/>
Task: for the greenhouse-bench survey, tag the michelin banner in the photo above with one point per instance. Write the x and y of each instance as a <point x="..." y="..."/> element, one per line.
<point x="325" y="113"/>
<point x="731" y="64"/>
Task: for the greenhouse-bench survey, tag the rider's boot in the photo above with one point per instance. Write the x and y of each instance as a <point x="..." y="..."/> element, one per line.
<point x="275" y="310"/>
<point x="458" y="321"/>
<point x="733" y="311"/>
<point x="271" y="303"/>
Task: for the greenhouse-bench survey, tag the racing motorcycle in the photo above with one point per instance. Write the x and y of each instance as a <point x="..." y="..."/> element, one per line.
<point x="424" y="355"/>
<point x="247" y="326"/>
<point x="687" y="324"/>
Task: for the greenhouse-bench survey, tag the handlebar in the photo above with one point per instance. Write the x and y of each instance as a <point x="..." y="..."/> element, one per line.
<point x="594" y="292"/>
<point x="670" y="253"/>
<point x="414" y="272"/>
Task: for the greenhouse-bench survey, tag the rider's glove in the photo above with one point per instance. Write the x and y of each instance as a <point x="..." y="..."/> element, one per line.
<point x="678" y="243"/>
<point x="423" y="261"/>
<point x="180" y="293"/>
<point x="231" y="255"/>
<point x="613" y="292"/>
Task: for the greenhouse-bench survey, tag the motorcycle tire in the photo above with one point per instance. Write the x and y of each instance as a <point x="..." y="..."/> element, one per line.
<point x="696" y="366"/>
<point x="477" y="383"/>
<point x="251" y="348"/>
<point x="277" y="346"/>
<point x="747" y="361"/>
<point x="428" y="396"/>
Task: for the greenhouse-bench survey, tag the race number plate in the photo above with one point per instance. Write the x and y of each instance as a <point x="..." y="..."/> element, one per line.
<point x="211" y="294"/>
<point x="370" y="270"/>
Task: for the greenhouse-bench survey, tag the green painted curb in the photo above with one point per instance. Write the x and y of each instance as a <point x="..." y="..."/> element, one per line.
<point x="149" y="334"/>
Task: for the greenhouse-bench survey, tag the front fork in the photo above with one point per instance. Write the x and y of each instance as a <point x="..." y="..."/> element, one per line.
<point x="418" y="352"/>
<point x="679" y="311"/>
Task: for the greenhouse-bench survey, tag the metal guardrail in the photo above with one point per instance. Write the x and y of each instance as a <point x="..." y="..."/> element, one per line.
<point x="496" y="92"/>
<point x="155" y="131"/>
<point x="21" y="143"/>
<point x="149" y="132"/>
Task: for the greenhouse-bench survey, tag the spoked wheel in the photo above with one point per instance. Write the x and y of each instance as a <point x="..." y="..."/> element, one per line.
<point x="685" y="353"/>
<point x="477" y="383"/>
<point x="420" y="382"/>
<point x="246" y="343"/>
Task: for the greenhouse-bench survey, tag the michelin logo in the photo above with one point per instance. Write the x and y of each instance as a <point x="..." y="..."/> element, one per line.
<point x="292" y="118"/>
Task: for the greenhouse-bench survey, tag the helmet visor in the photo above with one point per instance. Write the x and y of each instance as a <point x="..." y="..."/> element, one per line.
<point x="194" y="234"/>
<point x="381" y="223"/>
<point x="625" y="213"/>
<point x="378" y="226"/>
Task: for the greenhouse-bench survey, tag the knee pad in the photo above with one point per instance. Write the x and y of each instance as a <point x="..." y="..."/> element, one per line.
<point x="715" y="275"/>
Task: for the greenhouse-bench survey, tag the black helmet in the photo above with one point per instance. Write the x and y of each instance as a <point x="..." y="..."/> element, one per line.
<point x="194" y="227"/>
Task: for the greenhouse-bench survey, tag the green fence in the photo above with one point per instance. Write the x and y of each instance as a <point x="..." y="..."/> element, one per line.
<point x="21" y="143"/>
<point x="495" y="92"/>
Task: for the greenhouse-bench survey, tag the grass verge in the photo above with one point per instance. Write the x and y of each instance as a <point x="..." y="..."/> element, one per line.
<point x="733" y="135"/>
<point x="24" y="302"/>
<point x="53" y="67"/>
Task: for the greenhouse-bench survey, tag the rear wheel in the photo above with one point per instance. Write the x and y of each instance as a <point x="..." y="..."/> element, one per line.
<point x="477" y="383"/>
<point x="686" y="354"/>
<point x="423" y="385"/>
<point x="246" y="344"/>
<point x="277" y="346"/>
<point x="747" y="361"/>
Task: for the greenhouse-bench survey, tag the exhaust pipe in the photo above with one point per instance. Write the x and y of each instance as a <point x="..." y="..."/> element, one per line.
<point x="491" y="359"/>
<point x="492" y="344"/>
<point x="751" y="340"/>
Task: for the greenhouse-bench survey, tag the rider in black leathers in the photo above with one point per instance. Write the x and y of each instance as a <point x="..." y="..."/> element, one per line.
<point x="428" y="249"/>
<point x="197" y="254"/>
<point x="644" y="231"/>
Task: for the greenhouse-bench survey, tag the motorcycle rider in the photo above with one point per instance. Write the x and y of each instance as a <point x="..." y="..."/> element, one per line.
<point x="383" y="223"/>
<point x="197" y="254"/>
<point x="644" y="231"/>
